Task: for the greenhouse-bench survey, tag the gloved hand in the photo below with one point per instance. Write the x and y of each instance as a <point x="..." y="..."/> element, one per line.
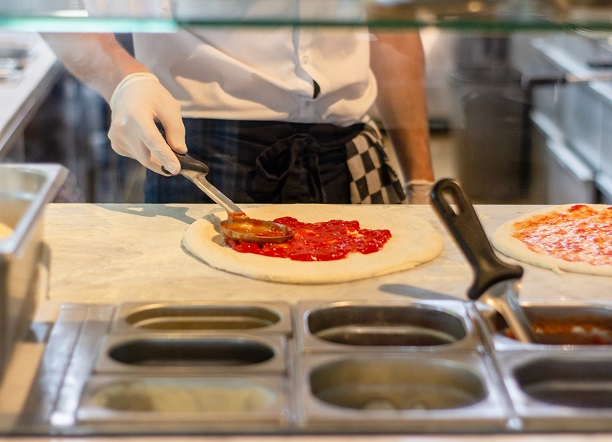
<point x="418" y="191"/>
<point x="137" y="102"/>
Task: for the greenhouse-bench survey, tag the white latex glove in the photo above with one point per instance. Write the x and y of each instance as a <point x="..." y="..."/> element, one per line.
<point x="137" y="102"/>
<point x="418" y="191"/>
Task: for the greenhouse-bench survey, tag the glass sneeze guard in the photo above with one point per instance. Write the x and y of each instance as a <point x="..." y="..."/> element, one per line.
<point x="71" y="15"/>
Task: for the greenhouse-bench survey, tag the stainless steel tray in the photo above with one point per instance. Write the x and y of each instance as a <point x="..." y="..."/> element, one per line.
<point x="199" y="317"/>
<point x="399" y="392"/>
<point x="571" y="324"/>
<point x="559" y="390"/>
<point x="176" y="402"/>
<point x="339" y="368"/>
<point x="177" y="353"/>
<point x="385" y="326"/>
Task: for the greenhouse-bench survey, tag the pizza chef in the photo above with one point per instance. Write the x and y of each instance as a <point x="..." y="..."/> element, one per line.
<point x="279" y="114"/>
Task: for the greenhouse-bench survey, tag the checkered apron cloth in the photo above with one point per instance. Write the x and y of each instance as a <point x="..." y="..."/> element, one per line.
<point x="373" y="179"/>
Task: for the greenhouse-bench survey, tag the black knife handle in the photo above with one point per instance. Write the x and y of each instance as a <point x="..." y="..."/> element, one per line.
<point x="468" y="233"/>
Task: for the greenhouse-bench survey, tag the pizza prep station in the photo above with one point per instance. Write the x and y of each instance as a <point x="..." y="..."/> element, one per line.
<point x="132" y="336"/>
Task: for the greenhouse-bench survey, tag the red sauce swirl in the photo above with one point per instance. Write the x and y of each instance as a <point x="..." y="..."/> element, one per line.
<point x="321" y="241"/>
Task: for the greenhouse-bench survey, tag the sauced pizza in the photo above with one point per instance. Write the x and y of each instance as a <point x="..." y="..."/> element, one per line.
<point x="332" y="243"/>
<point x="574" y="238"/>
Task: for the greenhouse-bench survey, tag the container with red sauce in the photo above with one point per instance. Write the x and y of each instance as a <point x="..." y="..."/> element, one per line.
<point x="557" y="325"/>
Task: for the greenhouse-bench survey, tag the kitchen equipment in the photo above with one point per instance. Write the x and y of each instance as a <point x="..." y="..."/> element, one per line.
<point x="364" y="392"/>
<point x="568" y="324"/>
<point x="269" y="317"/>
<point x="558" y="389"/>
<point x="495" y="282"/>
<point x="238" y="226"/>
<point x="17" y="51"/>
<point x="106" y="372"/>
<point x="14" y="56"/>
<point x="162" y="353"/>
<point x="24" y="191"/>
<point x="128" y="379"/>
<point x="380" y="326"/>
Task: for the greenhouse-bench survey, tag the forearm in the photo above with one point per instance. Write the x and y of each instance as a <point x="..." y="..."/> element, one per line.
<point x="96" y="59"/>
<point x="398" y="64"/>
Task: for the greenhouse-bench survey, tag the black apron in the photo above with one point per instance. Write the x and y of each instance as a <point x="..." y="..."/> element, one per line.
<point x="281" y="163"/>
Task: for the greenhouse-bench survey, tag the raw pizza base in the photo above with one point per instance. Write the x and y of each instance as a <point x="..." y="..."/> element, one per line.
<point x="413" y="241"/>
<point x="512" y="247"/>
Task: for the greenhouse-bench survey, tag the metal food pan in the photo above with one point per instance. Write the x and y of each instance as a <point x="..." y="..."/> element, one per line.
<point x="180" y="354"/>
<point x="17" y="51"/>
<point x="24" y="192"/>
<point x="384" y="326"/>
<point x="560" y="390"/>
<point x="578" y="326"/>
<point x="383" y="392"/>
<point x="187" y="317"/>
<point x="211" y="401"/>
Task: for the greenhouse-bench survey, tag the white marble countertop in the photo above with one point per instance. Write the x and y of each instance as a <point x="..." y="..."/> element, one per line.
<point x="112" y="253"/>
<point x="108" y="253"/>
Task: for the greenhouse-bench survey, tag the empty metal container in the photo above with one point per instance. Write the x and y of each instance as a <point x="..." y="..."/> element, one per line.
<point x="149" y="353"/>
<point x="400" y="393"/>
<point x="560" y="390"/>
<point x="199" y="317"/>
<point x="377" y="326"/>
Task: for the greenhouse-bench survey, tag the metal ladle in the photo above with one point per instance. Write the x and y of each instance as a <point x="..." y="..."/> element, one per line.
<point x="238" y="225"/>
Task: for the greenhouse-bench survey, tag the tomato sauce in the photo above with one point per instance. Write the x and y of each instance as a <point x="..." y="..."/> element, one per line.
<point x="570" y="331"/>
<point x="321" y="241"/>
<point x="580" y="234"/>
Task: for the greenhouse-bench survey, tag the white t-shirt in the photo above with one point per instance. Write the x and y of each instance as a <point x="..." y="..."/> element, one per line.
<point x="266" y="73"/>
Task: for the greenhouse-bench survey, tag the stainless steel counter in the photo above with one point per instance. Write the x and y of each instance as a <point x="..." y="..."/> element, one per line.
<point x="22" y="97"/>
<point x="106" y="254"/>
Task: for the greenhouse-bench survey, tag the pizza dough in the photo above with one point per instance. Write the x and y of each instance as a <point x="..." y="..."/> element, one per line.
<point x="512" y="247"/>
<point x="414" y="241"/>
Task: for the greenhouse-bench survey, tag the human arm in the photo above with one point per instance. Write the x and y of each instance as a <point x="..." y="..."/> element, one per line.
<point x="398" y="62"/>
<point x="136" y="97"/>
